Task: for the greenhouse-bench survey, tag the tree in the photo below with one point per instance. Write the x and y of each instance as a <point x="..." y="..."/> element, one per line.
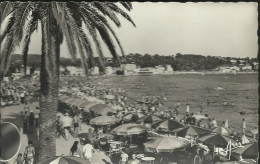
<point x="58" y="20"/>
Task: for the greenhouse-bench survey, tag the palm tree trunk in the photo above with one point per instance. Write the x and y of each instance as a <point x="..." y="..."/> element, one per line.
<point x="49" y="79"/>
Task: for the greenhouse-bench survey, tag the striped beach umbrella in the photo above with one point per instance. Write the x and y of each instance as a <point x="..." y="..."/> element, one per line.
<point x="191" y="131"/>
<point x="133" y="117"/>
<point x="102" y="109"/>
<point x="66" y="160"/>
<point x="217" y="140"/>
<point x="168" y="125"/>
<point x="129" y="129"/>
<point x="149" y="119"/>
<point x="248" y="151"/>
<point x="221" y="130"/>
<point x="166" y="144"/>
<point x="104" y="120"/>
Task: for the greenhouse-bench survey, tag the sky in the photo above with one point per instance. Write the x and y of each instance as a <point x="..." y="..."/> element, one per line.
<point x="215" y="29"/>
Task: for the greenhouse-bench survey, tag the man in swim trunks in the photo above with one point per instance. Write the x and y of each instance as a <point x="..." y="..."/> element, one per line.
<point x="29" y="153"/>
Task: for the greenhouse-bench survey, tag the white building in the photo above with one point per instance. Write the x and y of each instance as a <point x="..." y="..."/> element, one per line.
<point x="229" y="69"/>
<point x="76" y="71"/>
<point x="159" y="69"/>
<point x="247" y="68"/>
<point x="109" y="70"/>
<point x="169" y="68"/>
<point x="129" y="69"/>
<point x="17" y="75"/>
<point x="95" y="71"/>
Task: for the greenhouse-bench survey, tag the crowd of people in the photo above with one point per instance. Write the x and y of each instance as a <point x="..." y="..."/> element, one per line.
<point x="70" y="119"/>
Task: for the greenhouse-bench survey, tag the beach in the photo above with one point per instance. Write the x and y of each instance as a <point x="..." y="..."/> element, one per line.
<point x="241" y="89"/>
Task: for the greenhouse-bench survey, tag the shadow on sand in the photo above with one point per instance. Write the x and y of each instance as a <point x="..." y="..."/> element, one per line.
<point x="16" y="119"/>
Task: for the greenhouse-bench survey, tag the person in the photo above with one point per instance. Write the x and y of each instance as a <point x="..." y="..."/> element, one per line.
<point x="67" y="122"/>
<point x="124" y="158"/>
<point x="244" y="126"/>
<point x="59" y="131"/>
<point x="22" y="97"/>
<point x="25" y="122"/>
<point x="19" y="159"/>
<point x="76" y="123"/>
<point x="29" y="153"/>
<point x="31" y="121"/>
<point x="134" y="160"/>
<point x="75" y="150"/>
<point x="88" y="150"/>
<point x="214" y="123"/>
<point x="36" y="117"/>
<point x="187" y="108"/>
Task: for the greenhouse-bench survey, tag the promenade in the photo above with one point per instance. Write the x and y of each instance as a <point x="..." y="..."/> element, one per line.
<point x="12" y="114"/>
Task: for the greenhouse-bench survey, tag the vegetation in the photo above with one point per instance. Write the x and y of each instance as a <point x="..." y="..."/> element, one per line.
<point x="58" y="20"/>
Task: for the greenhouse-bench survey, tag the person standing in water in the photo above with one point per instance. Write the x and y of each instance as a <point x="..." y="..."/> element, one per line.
<point x="244" y="126"/>
<point x="187" y="108"/>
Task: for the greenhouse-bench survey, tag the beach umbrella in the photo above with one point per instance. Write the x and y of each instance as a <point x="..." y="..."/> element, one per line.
<point x="83" y="104"/>
<point x="248" y="151"/>
<point x="102" y="109"/>
<point x="217" y="140"/>
<point x="89" y="105"/>
<point x="74" y="89"/>
<point x="149" y="119"/>
<point x="110" y="97"/>
<point x="77" y="102"/>
<point x="129" y="129"/>
<point x="244" y="140"/>
<point x="104" y="120"/>
<point x="166" y="144"/>
<point x="63" y="97"/>
<point x="168" y="125"/>
<point x="220" y="130"/>
<point x="191" y="131"/>
<point x="67" y="99"/>
<point x="133" y="117"/>
<point x="199" y="116"/>
<point x="65" y="160"/>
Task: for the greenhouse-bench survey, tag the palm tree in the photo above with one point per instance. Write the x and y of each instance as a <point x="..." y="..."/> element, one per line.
<point x="58" y="20"/>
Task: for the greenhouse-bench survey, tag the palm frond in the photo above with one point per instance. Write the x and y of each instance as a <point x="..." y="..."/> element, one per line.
<point x="94" y="36"/>
<point x="127" y="5"/>
<point x="21" y="15"/>
<point x="118" y="10"/>
<point x="106" y="11"/>
<point x="9" y="25"/>
<point x="5" y="9"/>
<point x="31" y="27"/>
<point x="94" y="18"/>
<point x="58" y="10"/>
<point x="6" y="53"/>
<point x="79" y="33"/>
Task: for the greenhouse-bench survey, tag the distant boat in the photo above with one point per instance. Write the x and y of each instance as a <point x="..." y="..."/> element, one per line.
<point x="145" y="71"/>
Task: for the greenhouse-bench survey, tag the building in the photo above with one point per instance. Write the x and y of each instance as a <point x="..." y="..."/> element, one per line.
<point x="76" y="71"/>
<point x="247" y="68"/>
<point x="129" y="69"/>
<point x="17" y="75"/>
<point x="233" y="61"/>
<point x="169" y="68"/>
<point x="226" y="69"/>
<point x="109" y="70"/>
<point x="95" y="71"/>
<point x="159" y="70"/>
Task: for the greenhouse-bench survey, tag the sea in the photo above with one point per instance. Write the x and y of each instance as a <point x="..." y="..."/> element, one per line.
<point x="215" y="92"/>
